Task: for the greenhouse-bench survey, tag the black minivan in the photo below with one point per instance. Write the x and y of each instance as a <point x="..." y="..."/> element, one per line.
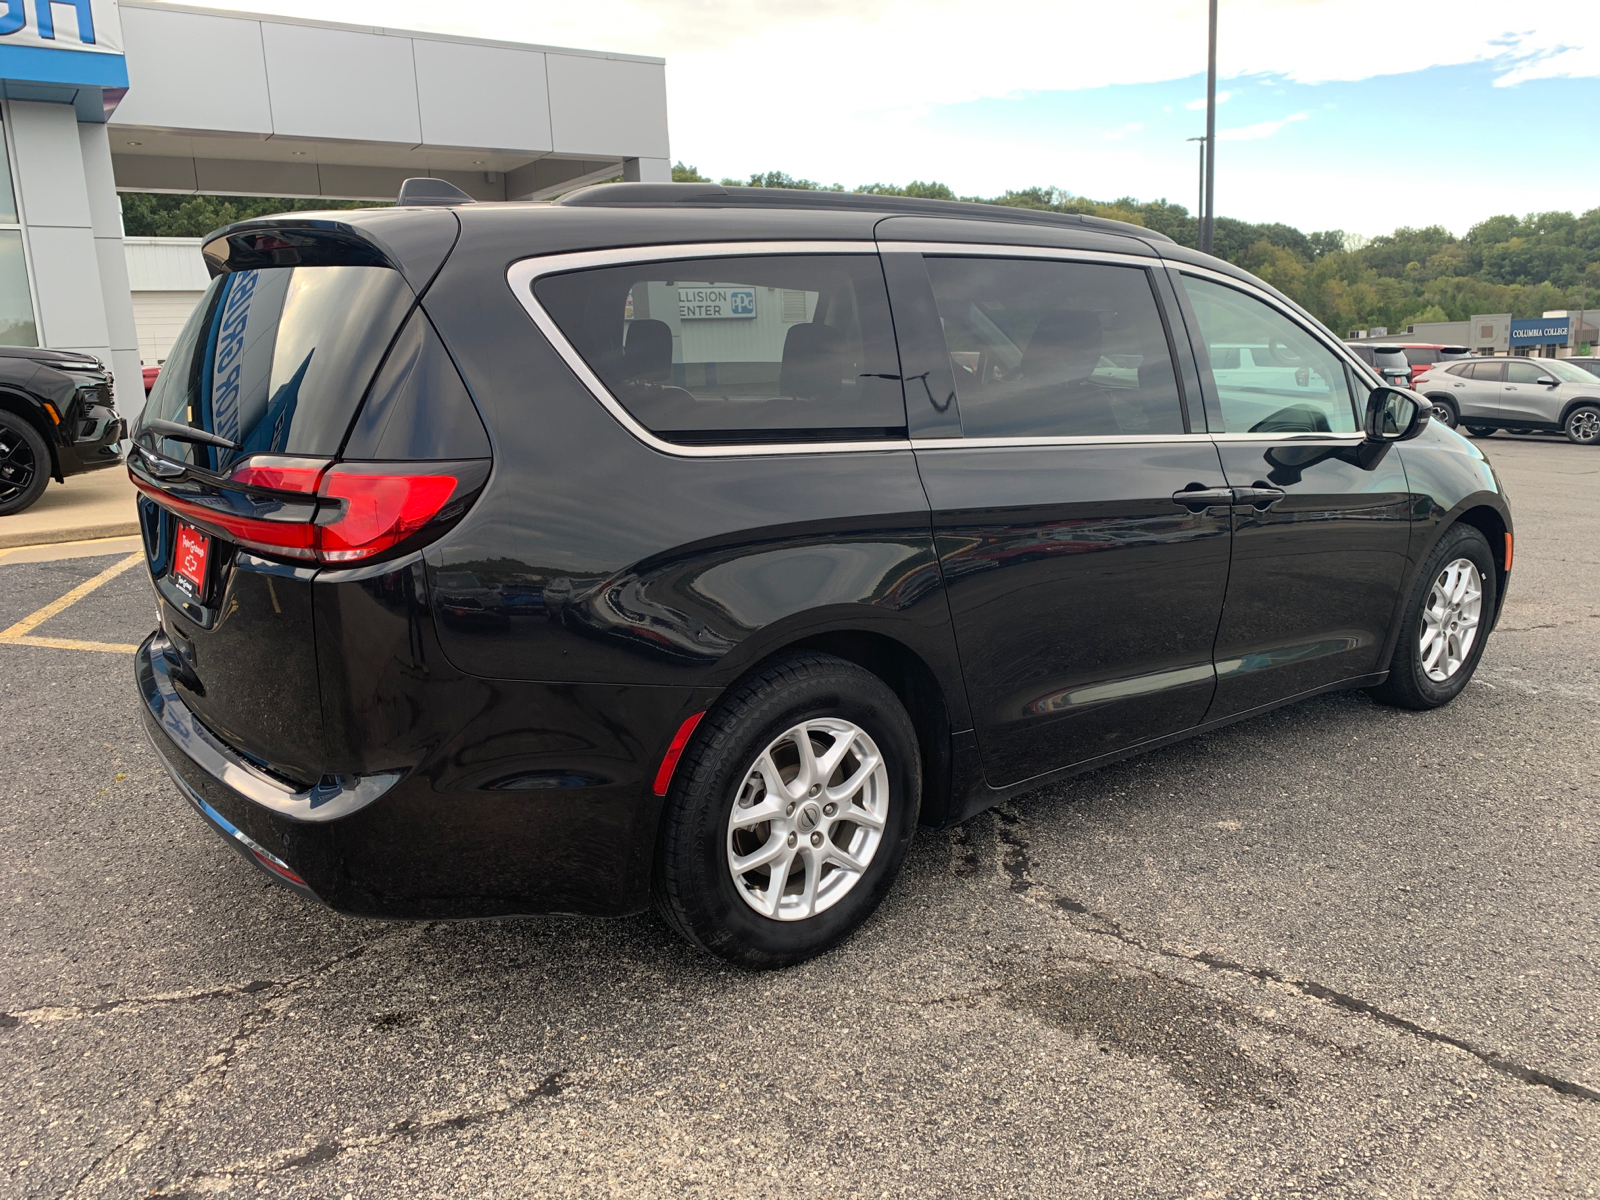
<point x="690" y="544"/>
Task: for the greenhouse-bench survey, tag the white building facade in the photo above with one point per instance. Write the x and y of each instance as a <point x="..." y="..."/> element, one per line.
<point x="97" y="97"/>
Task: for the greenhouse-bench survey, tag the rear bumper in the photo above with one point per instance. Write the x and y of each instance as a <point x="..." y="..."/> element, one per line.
<point x="438" y="840"/>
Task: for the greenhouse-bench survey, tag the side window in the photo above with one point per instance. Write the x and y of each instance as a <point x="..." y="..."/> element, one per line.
<point x="1286" y="381"/>
<point x="1484" y="372"/>
<point x="739" y="350"/>
<point x="1055" y="349"/>
<point x="1521" y="372"/>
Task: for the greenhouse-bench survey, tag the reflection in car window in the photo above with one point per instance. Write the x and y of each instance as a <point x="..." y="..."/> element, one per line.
<point x="1286" y="381"/>
<point x="1055" y="349"/>
<point x="1522" y="372"/>
<point x="739" y="350"/>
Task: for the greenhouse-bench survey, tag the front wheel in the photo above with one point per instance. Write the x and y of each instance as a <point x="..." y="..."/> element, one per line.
<point x="1481" y="431"/>
<point x="1444" y="411"/>
<point x="790" y="814"/>
<point x="1582" y="425"/>
<point x="1445" y="624"/>
<point x="24" y="464"/>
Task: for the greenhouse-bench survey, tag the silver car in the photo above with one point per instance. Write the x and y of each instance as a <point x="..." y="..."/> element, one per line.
<point x="1517" y="394"/>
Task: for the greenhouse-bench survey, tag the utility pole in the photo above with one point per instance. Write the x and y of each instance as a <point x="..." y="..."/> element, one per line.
<point x="1208" y="222"/>
<point x="1583" y="300"/>
<point x="1200" y="207"/>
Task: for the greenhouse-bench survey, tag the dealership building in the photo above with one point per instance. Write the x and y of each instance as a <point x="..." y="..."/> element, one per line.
<point x="98" y="97"/>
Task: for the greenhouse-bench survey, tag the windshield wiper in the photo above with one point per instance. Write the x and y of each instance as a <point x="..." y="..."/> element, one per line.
<point x="185" y="433"/>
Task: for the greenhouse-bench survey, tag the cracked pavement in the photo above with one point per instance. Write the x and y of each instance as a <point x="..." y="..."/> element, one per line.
<point x="1340" y="950"/>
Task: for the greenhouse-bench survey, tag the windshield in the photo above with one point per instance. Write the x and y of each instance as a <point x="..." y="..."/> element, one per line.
<point x="278" y="359"/>
<point x="1565" y="371"/>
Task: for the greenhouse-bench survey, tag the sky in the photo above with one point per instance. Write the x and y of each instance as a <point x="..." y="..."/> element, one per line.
<point x="1361" y="115"/>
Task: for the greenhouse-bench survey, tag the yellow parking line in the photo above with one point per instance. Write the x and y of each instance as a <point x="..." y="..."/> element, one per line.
<point x="18" y="634"/>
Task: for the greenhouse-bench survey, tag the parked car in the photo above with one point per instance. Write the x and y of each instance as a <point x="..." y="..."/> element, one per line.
<point x="1517" y="394"/>
<point x="1424" y="356"/>
<point x="150" y="376"/>
<point x="1588" y="363"/>
<point x="58" y="417"/>
<point x="1390" y="362"/>
<point x="693" y="545"/>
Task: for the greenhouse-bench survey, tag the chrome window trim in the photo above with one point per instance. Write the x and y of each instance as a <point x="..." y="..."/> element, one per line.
<point x="522" y="275"/>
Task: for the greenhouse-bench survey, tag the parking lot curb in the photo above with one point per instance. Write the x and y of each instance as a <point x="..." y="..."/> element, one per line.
<point x="78" y="533"/>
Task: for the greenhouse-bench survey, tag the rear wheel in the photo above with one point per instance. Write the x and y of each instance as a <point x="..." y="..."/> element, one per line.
<point x="24" y="464"/>
<point x="1582" y="425"/>
<point x="1445" y="623"/>
<point x="1444" y="411"/>
<point x="790" y="814"/>
<point x="1481" y="431"/>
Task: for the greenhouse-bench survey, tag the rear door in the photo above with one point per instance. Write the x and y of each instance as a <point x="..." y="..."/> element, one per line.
<point x="1475" y="388"/>
<point x="276" y="361"/>
<point x="1056" y="452"/>
<point x="1322" y="523"/>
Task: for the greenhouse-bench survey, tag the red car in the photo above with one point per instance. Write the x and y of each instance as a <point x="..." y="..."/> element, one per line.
<point x="1424" y="356"/>
<point x="150" y="374"/>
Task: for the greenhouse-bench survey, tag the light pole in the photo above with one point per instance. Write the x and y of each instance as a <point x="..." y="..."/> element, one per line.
<point x="1200" y="207"/>
<point x="1208" y="222"/>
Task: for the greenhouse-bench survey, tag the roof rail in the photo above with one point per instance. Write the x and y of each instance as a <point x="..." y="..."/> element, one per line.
<point x="711" y="195"/>
<point x="429" y="191"/>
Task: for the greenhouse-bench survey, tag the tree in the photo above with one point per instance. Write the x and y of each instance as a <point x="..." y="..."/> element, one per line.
<point x="145" y="214"/>
<point x="683" y="174"/>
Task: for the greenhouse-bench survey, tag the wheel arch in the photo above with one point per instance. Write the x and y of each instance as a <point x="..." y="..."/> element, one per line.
<point x="1579" y="402"/>
<point x="25" y="406"/>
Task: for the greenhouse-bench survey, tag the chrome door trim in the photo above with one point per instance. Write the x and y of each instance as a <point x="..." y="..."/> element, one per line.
<point x="998" y="250"/>
<point x="1000" y="443"/>
<point x="521" y="275"/>
<point x="1339" y="438"/>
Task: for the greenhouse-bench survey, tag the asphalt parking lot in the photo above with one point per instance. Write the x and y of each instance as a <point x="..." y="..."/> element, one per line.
<point x="1340" y="950"/>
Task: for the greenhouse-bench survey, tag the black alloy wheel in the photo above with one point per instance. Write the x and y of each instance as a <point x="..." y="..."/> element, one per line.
<point x="24" y="464"/>
<point x="1582" y="425"/>
<point x="790" y="814"/>
<point x="1444" y="411"/>
<point x="1444" y="625"/>
<point x="1481" y="431"/>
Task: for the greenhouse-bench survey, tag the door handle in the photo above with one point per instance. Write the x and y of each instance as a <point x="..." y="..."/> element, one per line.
<point x="1260" y="497"/>
<point x="1196" y="498"/>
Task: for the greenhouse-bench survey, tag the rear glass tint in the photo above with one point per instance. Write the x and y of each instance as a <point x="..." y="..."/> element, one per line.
<point x="739" y="350"/>
<point x="277" y="360"/>
<point x="1419" y="356"/>
<point x="1389" y="359"/>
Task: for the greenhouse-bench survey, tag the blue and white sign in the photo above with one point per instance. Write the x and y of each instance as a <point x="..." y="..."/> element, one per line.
<point x="1541" y="331"/>
<point x="715" y="303"/>
<point x="62" y="41"/>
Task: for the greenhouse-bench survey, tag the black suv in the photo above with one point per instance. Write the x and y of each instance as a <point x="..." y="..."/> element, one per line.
<point x="695" y="544"/>
<point x="58" y="417"/>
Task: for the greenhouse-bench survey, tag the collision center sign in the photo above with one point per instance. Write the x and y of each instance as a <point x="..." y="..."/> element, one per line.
<point x="715" y="303"/>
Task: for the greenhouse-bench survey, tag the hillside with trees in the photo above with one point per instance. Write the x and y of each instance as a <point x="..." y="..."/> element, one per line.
<point x="1520" y="265"/>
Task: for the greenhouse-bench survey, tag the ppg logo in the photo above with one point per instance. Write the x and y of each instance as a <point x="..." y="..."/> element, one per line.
<point x="742" y="302"/>
<point x="15" y="19"/>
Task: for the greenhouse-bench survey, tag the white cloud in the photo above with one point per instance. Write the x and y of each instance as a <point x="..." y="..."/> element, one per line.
<point x="1262" y="129"/>
<point x="1200" y="104"/>
<point x="1122" y="131"/>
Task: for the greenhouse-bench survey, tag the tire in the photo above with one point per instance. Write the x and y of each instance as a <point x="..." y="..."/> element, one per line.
<point x="695" y="884"/>
<point x="1413" y="681"/>
<point x="24" y="464"/>
<point x="1582" y="425"/>
<point x="1481" y="431"/>
<point x="1443" y="410"/>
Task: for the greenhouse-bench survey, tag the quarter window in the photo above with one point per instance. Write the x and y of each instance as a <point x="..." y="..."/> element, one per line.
<point x="1483" y="372"/>
<point x="739" y="350"/>
<point x="1285" y="380"/>
<point x="1055" y="349"/>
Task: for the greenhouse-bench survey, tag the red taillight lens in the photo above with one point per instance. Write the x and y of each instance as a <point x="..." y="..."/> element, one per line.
<point x="381" y="509"/>
<point x="317" y="511"/>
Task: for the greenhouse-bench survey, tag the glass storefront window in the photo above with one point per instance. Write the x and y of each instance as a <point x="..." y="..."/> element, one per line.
<point x="17" y="326"/>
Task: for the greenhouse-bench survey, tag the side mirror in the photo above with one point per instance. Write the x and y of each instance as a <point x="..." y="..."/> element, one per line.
<point x="1548" y="381"/>
<point x="1394" y="416"/>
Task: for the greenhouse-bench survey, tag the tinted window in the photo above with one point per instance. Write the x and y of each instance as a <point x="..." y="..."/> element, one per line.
<point x="1484" y="372"/>
<point x="1389" y="359"/>
<point x="1451" y="353"/>
<point x="1287" y="382"/>
<point x="1055" y="349"/>
<point x="1419" y="356"/>
<point x="1524" y="372"/>
<point x="1590" y="366"/>
<point x="795" y="347"/>
<point x="1364" y="353"/>
<point x="278" y="359"/>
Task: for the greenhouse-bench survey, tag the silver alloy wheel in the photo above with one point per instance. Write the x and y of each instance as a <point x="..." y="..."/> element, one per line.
<point x="1443" y="413"/>
<point x="808" y="819"/>
<point x="1584" y="426"/>
<point x="1450" y="619"/>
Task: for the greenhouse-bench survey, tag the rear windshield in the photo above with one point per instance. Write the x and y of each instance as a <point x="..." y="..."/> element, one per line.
<point x="1389" y="356"/>
<point x="277" y="360"/>
<point x="1451" y="353"/>
<point x="1419" y="356"/>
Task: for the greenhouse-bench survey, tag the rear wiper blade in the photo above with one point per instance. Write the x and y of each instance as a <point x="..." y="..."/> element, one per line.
<point x="185" y="433"/>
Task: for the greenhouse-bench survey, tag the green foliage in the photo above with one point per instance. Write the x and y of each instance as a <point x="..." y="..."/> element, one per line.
<point x="683" y="174"/>
<point x="777" y="179"/>
<point x="147" y="214"/>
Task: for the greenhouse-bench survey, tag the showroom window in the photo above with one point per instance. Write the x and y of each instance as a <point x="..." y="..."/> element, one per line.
<point x="17" y="327"/>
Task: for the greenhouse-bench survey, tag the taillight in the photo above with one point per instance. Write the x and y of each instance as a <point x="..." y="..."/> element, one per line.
<point x="317" y="511"/>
